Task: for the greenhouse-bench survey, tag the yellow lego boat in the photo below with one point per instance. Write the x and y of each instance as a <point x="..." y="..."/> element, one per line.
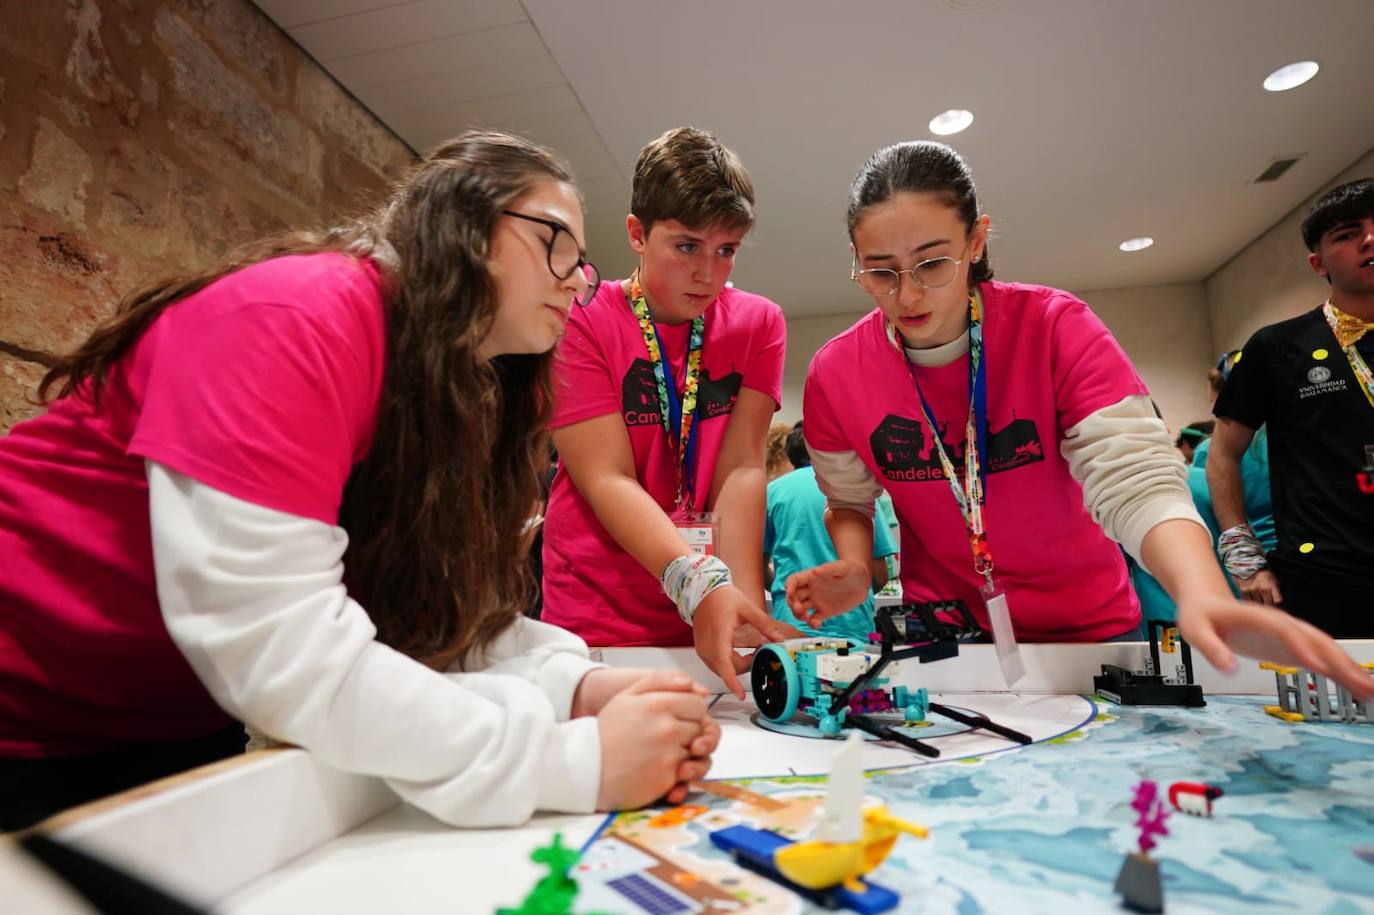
<point x="850" y="841"/>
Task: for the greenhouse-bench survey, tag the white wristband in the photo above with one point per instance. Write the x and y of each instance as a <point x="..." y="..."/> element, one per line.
<point x="688" y="579"/>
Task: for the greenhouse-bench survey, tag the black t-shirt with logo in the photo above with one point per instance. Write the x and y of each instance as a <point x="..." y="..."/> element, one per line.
<point x="1294" y="376"/>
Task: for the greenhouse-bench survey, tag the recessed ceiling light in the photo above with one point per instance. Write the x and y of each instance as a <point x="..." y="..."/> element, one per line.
<point x="1291" y="76"/>
<point x="1136" y="244"/>
<point x="951" y="121"/>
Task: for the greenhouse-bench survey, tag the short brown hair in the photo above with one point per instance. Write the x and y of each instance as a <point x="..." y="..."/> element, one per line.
<point x="687" y="175"/>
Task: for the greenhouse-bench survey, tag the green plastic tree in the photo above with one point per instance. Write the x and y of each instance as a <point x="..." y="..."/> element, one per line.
<point x="555" y="892"/>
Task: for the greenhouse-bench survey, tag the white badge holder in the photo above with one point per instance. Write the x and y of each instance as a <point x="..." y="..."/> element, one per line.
<point x="700" y="530"/>
<point x="1003" y="636"/>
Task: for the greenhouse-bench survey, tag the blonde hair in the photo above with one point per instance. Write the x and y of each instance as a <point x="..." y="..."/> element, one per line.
<point x="776" y="454"/>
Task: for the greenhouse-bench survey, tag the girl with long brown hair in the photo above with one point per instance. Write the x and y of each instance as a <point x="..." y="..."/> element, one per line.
<point x="289" y="490"/>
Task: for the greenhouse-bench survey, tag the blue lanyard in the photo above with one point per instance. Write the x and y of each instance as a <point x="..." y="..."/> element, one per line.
<point x="970" y="493"/>
<point x="978" y="408"/>
<point x="675" y="414"/>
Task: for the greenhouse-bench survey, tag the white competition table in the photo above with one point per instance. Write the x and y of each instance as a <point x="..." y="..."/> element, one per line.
<point x="277" y="831"/>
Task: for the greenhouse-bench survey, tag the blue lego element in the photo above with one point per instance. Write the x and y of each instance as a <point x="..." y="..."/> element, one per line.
<point x="754" y="849"/>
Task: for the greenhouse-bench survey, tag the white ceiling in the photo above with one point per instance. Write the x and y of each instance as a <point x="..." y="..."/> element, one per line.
<point x="1096" y="120"/>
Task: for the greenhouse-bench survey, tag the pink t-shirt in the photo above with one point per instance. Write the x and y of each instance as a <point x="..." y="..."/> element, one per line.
<point x="591" y="585"/>
<point x="263" y="385"/>
<point x="1050" y="363"/>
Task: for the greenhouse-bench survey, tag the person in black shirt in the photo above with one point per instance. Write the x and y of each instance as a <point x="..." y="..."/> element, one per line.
<point x="1309" y="379"/>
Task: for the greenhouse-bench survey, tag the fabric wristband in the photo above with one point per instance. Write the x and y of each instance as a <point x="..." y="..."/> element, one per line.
<point x="1241" y="552"/>
<point x="688" y="579"/>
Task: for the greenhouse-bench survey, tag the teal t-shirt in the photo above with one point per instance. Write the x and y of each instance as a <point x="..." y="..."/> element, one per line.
<point x="1155" y="603"/>
<point x="886" y="511"/>
<point x="1254" y="475"/>
<point x="795" y="536"/>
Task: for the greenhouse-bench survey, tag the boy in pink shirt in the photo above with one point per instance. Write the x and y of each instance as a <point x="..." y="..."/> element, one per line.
<point x="670" y="350"/>
<point x="1014" y="437"/>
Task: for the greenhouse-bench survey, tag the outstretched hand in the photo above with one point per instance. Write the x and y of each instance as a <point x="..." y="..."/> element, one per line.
<point x="1222" y="627"/>
<point x="816" y="594"/>
<point x="747" y="636"/>
<point x="718" y="617"/>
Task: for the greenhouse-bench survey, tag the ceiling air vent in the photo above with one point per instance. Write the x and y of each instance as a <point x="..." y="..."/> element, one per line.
<point x="1277" y="168"/>
<point x="968" y="6"/>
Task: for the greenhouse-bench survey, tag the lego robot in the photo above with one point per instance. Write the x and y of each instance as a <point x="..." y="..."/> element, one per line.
<point x="842" y="684"/>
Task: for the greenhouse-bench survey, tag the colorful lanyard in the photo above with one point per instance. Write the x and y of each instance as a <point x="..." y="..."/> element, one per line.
<point x="1341" y="327"/>
<point x="968" y="493"/>
<point x="677" y="412"/>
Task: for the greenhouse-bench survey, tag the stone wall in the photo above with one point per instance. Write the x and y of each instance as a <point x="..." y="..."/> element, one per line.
<point x="145" y="138"/>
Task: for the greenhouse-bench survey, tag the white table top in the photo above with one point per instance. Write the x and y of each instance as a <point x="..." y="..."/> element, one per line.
<point x="280" y="832"/>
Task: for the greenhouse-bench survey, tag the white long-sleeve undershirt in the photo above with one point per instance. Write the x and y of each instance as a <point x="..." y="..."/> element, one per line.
<point x="255" y="600"/>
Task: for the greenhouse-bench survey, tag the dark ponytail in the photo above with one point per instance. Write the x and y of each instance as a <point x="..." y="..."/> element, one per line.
<point x="922" y="167"/>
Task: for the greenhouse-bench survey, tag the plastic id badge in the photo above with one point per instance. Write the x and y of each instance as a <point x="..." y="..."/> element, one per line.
<point x="1003" y="637"/>
<point x="701" y="531"/>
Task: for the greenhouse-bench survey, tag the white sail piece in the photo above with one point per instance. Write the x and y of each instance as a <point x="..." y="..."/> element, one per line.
<point x="842" y="817"/>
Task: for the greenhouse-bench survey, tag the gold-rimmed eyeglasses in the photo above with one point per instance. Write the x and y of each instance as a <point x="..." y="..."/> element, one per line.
<point x="931" y="274"/>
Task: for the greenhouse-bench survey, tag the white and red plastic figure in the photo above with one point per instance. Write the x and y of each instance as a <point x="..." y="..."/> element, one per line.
<point x="1193" y="798"/>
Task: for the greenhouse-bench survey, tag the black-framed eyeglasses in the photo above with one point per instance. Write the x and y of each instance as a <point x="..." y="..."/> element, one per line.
<point x="932" y="274"/>
<point x="565" y="256"/>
